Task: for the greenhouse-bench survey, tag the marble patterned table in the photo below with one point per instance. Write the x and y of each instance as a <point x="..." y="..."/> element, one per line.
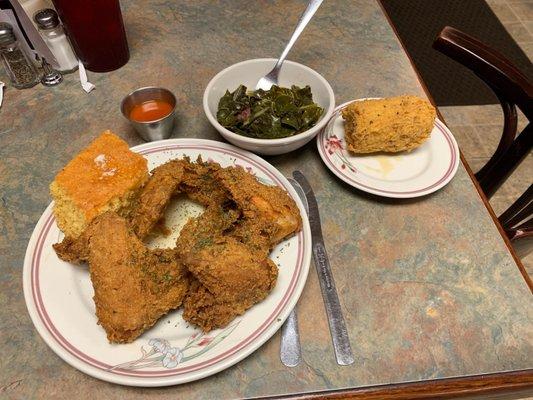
<point x="428" y="287"/>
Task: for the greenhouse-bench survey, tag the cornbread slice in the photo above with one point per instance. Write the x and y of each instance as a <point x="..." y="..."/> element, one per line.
<point x="105" y="176"/>
<point x="391" y="125"/>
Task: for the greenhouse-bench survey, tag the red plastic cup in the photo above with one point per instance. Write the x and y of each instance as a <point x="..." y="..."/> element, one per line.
<point x="96" y="31"/>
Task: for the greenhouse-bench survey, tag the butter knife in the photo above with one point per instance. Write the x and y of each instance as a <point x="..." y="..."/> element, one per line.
<point x="337" y="325"/>
<point x="33" y="34"/>
<point x="290" y="350"/>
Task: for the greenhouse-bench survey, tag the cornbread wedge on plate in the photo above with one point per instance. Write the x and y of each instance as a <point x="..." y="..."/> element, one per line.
<point x="105" y="176"/>
<point x="390" y="125"/>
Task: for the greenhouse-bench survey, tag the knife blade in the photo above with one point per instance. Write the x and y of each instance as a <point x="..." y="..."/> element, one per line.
<point x="337" y="325"/>
<point x="33" y="34"/>
<point x="290" y="351"/>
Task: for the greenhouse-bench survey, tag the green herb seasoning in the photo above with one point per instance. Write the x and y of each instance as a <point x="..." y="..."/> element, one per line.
<point x="268" y="114"/>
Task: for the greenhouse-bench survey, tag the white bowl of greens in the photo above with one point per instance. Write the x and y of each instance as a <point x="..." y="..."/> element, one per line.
<point x="274" y="122"/>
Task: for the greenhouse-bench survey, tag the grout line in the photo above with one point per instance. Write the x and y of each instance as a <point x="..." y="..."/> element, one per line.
<point x="512" y="11"/>
<point x="517" y="15"/>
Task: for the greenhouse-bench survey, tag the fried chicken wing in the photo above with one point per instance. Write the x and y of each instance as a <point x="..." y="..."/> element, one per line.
<point x="203" y="229"/>
<point x="231" y="270"/>
<point x="155" y="196"/>
<point x="74" y="251"/>
<point x="133" y="286"/>
<point x="201" y="184"/>
<point x="269" y="213"/>
<point x="230" y="277"/>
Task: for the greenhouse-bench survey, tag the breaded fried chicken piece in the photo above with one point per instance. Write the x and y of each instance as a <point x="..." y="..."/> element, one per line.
<point x="231" y="271"/>
<point x="133" y="286"/>
<point x="202" y="230"/>
<point x="230" y="279"/>
<point x="74" y="250"/>
<point x="269" y="213"/>
<point x="155" y="196"/>
<point x="200" y="183"/>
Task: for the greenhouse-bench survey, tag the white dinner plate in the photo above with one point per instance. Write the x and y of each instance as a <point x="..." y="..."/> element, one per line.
<point x="419" y="172"/>
<point x="59" y="295"/>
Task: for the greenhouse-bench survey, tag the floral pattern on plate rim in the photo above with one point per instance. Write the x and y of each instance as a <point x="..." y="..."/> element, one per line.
<point x="335" y="146"/>
<point x="162" y="354"/>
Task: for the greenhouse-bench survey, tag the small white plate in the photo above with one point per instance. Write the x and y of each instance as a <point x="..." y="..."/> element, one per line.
<point x="59" y="295"/>
<point x="424" y="170"/>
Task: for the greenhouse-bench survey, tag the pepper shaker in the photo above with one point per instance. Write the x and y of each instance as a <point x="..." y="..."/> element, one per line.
<point x="19" y="67"/>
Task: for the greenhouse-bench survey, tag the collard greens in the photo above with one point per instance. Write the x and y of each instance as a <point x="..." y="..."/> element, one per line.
<point x="276" y="113"/>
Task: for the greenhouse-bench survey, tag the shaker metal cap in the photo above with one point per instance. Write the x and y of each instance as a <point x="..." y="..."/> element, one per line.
<point x="7" y="36"/>
<point x="46" y="18"/>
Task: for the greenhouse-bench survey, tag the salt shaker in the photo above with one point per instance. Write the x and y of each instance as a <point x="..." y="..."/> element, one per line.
<point x="19" y="67"/>
<point x="56" y="39"/>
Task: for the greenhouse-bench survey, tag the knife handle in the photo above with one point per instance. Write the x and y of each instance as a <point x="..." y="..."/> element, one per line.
<point x="337" y="326"/>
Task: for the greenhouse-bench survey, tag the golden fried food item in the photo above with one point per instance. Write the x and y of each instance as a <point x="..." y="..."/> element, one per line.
<point x="269" y="213"/>
<point x="202" y="230"/>
<point x="200" y="182"/>
<point x="155" y="196"/>
<point x="226" y="248"/>
<point x="74" y="250"/>
<point x="220" y="266"/>
<point x="231" y="270"/>
<point x="231" y="278"/>
<point x="203" y="309"/>
<point x="391" y="125"/>
<point x="133" y="286"/>
<point x="104" y="176"/>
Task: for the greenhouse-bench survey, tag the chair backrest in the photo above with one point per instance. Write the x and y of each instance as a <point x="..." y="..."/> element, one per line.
<point x="513" y="89"/>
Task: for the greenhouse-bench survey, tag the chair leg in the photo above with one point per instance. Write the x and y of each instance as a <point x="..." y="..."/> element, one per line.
<point x="523" y="247"/>
<point x="507" y="163"/>
<point x="519" y="210"/>
<point x="510" y="122"/>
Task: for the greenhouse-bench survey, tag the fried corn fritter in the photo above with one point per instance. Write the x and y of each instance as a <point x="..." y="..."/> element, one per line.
<point x="133" y="286"/>
<point x="392" y="124"/>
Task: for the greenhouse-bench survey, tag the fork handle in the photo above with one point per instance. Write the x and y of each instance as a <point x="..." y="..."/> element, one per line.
<point x="302" y="23"/>
<point x="290" y="350"/>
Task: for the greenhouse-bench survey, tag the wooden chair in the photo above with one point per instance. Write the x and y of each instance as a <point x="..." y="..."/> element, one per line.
<point x="513" y="90"/>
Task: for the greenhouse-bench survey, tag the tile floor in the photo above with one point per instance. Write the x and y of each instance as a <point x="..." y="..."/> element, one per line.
<point x="478" y="128"/>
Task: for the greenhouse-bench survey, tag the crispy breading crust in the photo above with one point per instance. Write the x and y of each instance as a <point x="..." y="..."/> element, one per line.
<point x="155" y="196"/>
<point x="223" y="252"/>
<point x="230" y="279"/>
<point x="391" y="125"/>
<point x="133" y="286"/>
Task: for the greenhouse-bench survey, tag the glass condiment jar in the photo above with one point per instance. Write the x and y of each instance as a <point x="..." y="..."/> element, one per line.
<point x="19" y="67"/>
<point x="54" y="36"/>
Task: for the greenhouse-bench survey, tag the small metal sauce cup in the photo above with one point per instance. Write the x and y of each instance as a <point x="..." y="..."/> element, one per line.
<point x="151" y="130"/>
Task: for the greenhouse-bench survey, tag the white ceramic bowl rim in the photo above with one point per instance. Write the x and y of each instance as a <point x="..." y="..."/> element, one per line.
<point x="281" y="141"/>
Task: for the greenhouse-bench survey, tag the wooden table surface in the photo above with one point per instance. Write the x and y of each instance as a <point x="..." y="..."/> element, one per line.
<point x="431" y="294"/>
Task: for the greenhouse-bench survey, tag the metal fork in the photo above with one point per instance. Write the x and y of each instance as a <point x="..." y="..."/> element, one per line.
<point x="290" y="351"/>
<point x="271" y="78"/>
